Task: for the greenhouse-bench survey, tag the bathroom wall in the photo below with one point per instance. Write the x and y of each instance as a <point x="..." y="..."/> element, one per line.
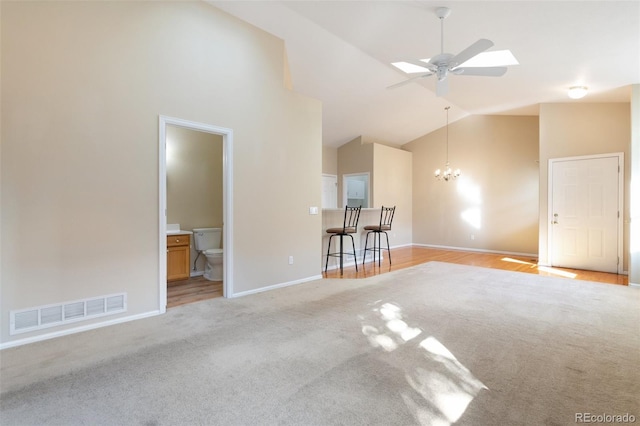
<point x="80" y="149"/>
<point x="194" y="181"/>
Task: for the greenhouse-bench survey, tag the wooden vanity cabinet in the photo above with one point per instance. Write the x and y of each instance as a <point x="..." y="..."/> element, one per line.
<point x="178" y="257"/>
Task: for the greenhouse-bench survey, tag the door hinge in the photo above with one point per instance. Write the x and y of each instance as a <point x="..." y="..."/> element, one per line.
<point x="618" y="261"/>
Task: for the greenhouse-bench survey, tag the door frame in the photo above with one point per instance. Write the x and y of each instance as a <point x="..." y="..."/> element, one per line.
<point x="227" y="202"/>
<point x="552" y="161"/>
<point x="337" y="195"/>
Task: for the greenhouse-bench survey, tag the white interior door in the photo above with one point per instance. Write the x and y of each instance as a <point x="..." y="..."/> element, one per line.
<point x="329" y="191"/>
<point x="585" y="206"/>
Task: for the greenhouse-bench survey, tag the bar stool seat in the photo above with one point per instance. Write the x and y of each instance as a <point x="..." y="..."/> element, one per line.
<point x="386" y="217"/>
<point x="349" y="226"/>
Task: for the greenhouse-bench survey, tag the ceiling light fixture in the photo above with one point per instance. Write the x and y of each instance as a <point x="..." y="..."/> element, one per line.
<point x="577" y="92"/>
<point x="447" y="174"/>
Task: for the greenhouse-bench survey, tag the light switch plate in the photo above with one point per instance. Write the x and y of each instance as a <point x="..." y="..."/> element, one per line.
<point x="313" y="210"/>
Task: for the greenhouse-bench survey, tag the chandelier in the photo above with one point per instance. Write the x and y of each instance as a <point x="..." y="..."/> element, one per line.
<point x="447" y="174"/>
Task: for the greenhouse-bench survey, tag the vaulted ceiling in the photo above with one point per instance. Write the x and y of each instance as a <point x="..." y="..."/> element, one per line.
<point x="340" y="52"/>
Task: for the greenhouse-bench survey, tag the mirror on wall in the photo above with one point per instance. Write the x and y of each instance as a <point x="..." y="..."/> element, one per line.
<point x="356" y="189"/>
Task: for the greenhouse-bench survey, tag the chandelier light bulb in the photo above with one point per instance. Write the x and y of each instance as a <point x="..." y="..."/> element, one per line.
<point x="447" y="173"/>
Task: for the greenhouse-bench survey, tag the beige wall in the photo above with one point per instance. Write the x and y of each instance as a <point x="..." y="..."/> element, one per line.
<point x="194" y="181"/>
<point x="392" y="170"/>
<point x="83" y="84"/>
<point x="576" y="129"/>
<point x="329" y="160"/>
<point x="496" y="198"/>
<point x="634" y="189"/>
<point x="355" y="156"/>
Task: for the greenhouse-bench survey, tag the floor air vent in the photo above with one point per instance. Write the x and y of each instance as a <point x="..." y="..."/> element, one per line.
<point x="32" y="319"/>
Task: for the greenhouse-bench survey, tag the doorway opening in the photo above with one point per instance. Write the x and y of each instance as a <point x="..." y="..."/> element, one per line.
<point x="227" y="201"/>
<point x="355" y="190"/>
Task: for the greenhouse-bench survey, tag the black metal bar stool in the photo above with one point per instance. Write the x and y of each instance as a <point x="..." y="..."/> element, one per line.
<point x="349" y="226"/>
<point x="386" y="217"/>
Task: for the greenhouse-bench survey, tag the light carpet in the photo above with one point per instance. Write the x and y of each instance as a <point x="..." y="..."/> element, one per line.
<point x="435" y="344"/>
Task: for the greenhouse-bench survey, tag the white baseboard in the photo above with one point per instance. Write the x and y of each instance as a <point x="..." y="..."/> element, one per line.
<point x="275" y="286"/>
<point x="403" y="245"/>
<point x="74" y="330"/>
<point x="196" y="274"/>
<point x="515" y="253"/>
<point x="636" y="285"/>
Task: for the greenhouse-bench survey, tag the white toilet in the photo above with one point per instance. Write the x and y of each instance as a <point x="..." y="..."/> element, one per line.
<point x="207" y="242"/>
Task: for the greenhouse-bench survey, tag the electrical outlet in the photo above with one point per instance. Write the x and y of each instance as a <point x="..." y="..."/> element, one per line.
<point x="473" y="237"/>
<point x="290" y="260"/>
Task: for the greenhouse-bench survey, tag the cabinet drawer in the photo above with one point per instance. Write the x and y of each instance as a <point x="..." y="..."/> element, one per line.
<point x="178" y="240"/>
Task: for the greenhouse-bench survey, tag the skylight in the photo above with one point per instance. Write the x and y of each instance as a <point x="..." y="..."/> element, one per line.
<point x="410" y="68"/>
<point x="497" y="58"/>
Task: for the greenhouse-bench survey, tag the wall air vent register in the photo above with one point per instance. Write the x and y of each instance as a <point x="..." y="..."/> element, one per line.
<point x="31" y="319"/>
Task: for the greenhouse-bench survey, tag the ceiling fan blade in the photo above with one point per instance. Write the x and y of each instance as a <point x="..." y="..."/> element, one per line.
<point x="471" y="51"/>
<point x="482" y="71"/>
<point x="442" y="87"/>
<point x="410" y="80"/>
<point x="427" y="66"/>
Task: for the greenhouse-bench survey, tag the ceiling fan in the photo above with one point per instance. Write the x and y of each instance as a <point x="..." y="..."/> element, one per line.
<point x="445" y="63"/>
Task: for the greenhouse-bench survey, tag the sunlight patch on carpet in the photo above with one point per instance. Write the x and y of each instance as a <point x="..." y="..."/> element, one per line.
<point x="440" y="388"/>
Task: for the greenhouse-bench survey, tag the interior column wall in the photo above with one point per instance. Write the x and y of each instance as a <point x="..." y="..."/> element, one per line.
<point x="634" y="189"/>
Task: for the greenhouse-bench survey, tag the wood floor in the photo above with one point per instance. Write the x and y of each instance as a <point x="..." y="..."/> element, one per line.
<point x="405" y="257"/>
<point x="192" y="290"/>
<point x="198" y="288"/>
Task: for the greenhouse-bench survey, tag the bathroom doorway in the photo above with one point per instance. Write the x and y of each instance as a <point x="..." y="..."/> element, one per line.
<point x="195" y="188"/>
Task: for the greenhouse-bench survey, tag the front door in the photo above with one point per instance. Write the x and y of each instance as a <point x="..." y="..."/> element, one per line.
<point x="585" y="209"/>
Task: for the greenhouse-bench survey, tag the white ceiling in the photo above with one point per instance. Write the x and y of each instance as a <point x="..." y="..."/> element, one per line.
<point x="340" y="53"/>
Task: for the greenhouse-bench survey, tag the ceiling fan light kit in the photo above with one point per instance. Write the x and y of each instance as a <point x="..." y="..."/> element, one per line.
<point x="444" y="63"/>
<point x="577" y="92"/>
